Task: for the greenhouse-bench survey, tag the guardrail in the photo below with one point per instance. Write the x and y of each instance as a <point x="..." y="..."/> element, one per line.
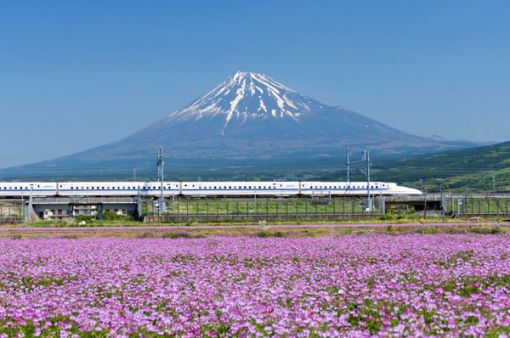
<point x="84" y="200"/>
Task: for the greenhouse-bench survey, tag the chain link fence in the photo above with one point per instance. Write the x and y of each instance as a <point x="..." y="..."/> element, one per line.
<point x="474" y="205"/>
<point x="252" y="209"/>
<point x="11" y="213"/>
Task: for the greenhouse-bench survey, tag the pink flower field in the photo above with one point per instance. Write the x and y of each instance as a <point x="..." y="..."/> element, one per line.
<point x="360" y="285"/>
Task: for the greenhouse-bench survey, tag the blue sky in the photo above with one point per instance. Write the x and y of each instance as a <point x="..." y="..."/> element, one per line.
<point x="77" y="74"/>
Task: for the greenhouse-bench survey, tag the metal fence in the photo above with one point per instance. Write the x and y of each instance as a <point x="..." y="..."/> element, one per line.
<point x="249" y="209"/>
<point x="11" y="213"/>
<point x="469" y="205"/>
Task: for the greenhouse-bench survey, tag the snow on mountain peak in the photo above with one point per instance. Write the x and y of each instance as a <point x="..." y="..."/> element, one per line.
<point x="245" y="96"/>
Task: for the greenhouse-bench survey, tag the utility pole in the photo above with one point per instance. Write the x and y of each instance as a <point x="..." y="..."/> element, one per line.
<point x="441" y="195"/>
<point x="365" y="156"/>
<point x="422" y="188"/>
<point x="161" y="164"/>
<point x="494" y="183"/>
<point x="23" y="209"/>
<point x="348" y="163"/>
<point x="30" y="206"/>
<point x="134" y="174"/>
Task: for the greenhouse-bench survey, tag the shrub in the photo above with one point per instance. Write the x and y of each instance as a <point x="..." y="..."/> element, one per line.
<point x="177" y="235"/>
<point x="429" y="231"/>
<point x="145" y="234"/>
<point x="267" y="233"/>
<point x="487" y="231"/>
<point x="109" y="215"/>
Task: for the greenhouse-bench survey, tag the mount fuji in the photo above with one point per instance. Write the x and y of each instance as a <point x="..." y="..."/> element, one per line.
<point x="247" y="117"/>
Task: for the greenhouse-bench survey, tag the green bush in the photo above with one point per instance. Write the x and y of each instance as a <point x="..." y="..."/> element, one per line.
<point x="267" y="233"/>
<point x="81" y="218"/>
<point x="487" y="231"/>
<point x="177" y="235"/>
<point x="429" y="231"/>
<point x="109" y="215"/>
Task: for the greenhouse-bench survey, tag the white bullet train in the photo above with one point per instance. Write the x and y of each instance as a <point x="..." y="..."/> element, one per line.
<point x="200" y="189"/>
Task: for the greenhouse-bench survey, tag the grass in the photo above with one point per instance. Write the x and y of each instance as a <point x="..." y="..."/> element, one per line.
<point x="261" y="232"/>
<point x="226" y="222"/>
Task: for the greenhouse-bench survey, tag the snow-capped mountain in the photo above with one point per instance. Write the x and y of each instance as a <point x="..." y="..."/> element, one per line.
<point x="247" y="117"/>
<point x="247" y="96"/>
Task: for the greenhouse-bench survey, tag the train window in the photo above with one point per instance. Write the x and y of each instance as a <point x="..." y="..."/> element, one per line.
<point x="72" y="188"/>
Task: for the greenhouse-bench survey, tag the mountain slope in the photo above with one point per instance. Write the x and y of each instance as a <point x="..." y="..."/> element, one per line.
<point x="484" y="168"/>
<point x="496" y="156"/>
<point x="478" y="169"/>
<point x="247" y="117"/>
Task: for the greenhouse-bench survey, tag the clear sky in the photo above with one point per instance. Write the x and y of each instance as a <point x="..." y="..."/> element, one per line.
<point x="78" y="74"/>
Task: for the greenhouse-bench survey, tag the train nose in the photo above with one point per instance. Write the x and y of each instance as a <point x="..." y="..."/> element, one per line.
<point x="411" y="191"/>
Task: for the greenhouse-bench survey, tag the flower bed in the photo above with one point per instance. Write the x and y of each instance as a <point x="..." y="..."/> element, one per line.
<point x="350" y="285"/>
